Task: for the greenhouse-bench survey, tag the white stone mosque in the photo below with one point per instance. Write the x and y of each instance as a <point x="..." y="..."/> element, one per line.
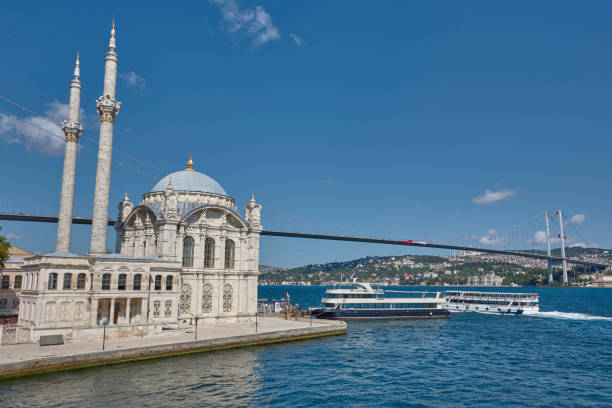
<point x="183" y="253"/>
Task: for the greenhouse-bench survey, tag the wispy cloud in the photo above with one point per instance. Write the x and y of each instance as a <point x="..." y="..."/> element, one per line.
<point x="255" y="23"/>
<point x="490" y="197"/>
<point x="133" y="80"/>
<point x="13" y="237"/>
<point x="492" y="238"/>
<point x="42" y="134"/>
<point x="577" y="219"/>
<point x="296" y="38"/>
<point x="328" y="182"/>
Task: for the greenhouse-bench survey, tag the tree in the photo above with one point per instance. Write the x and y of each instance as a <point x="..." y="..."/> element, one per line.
<point x="4" y="250"/>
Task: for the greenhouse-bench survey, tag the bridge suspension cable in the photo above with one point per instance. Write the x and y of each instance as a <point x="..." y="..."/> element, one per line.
<point x="93" y="140"/>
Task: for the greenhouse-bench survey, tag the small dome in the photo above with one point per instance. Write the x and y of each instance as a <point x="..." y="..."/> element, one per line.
<point x="189" y="180"/>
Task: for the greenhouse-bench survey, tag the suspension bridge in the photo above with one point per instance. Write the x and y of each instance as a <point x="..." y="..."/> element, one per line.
<point x="551" y="260"/>
<point x="492" y="241"/>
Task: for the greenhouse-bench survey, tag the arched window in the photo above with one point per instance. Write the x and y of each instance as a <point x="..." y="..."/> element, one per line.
<point x="227" y="297"/>
<point x="6" y="282"/>
<point x="207" y="291"/>
<point x="209" y="253"/>
<point x="158" y="279"/>
<point x="169" y="282"/>
<point x="230" y="249"/>
<point x="17" y="282"/>
<point x="16" y="303"/>
<point x="188" y="252"/>
<point x="106" y="278"/>
<point x="52" y="281"/>
<point x="67" y="280"/>
<point x="81" y="281"/>
<point x="137" y="281"/>
<point x="122" y="282"/>
<point x="3" y="304"/>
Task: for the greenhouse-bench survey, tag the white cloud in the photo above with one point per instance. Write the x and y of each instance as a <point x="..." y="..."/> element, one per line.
<point x="583" y="245"/>
<point x="37" y="133"/>
<point x="296" y="38"/>
<point x="577" y="219"/>
<point x="133" y="80"/>
<point x="539" y="238"/>
<point x="492" y="238"/>
<point x="490" y="197"/>
<point x="255" y="23"/>
<point x="13" y="237"/>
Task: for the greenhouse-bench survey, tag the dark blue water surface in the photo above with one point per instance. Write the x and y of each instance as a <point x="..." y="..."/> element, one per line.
<point x="560" y="357"/>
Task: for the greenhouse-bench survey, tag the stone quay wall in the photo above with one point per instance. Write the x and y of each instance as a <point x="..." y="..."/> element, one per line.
<point x="91" y="359"/>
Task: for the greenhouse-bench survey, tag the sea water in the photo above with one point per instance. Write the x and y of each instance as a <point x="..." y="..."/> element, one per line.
<point x="560" y="357"/>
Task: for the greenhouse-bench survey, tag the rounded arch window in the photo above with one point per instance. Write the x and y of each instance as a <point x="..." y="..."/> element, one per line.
<point x="188" y="245"/>
<point x="209" y="253"/>
<point x="230" y="252"/>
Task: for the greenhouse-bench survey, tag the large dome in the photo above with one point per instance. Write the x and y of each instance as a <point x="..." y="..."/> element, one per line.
<point x="189" y="180"/>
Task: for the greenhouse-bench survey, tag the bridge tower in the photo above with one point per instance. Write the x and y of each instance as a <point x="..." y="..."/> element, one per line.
<point x="72" y="129"/>
<point x="108" y="108"/>
<point x="562" y="240"/>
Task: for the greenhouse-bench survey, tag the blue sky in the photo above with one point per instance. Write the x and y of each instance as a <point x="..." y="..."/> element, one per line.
<point x="383" y="118"/>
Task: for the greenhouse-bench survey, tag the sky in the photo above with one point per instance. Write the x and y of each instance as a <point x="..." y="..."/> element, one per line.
<point x="433" y="121"/>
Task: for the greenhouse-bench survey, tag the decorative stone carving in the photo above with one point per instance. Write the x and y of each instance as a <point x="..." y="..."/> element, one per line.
<point x="185" y="301"/>
<point x="168" y="309"/>
<point x="107" y="108"/>
<point x="207" y="291"/>
<point x="72" y="130"/>
<point x="157" y="308"/>
<point x="227" y="297"/>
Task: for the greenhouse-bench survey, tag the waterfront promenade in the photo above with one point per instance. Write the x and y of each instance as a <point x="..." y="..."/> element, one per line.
<point x="23" y="359"/>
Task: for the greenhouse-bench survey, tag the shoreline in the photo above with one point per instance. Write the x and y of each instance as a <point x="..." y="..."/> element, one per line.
<point x="85" y="355"/>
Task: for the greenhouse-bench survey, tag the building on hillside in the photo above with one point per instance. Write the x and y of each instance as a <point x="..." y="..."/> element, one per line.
<point x="488" y="279"/>
<point x="183" y="252"/>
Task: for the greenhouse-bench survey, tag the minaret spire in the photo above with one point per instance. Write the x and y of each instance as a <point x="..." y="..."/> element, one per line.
<point x="72" y="129"/>
<point x="108" y="108"/>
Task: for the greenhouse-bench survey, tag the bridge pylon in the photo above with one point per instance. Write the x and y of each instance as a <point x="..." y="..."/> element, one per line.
<point x="561" y="237"/>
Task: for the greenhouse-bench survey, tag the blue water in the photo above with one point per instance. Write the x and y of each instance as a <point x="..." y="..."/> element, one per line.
<point x="559" y="358"/>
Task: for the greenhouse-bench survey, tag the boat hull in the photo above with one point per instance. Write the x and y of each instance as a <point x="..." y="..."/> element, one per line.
<point x="355" y="314"/>
<point x="489" y="309"/>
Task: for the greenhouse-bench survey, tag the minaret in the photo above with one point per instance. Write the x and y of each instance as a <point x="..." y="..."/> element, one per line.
<point x="108" y="108"/>
<point x="72" y="129"/>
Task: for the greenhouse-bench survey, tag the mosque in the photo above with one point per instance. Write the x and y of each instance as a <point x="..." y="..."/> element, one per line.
<point x="183" y="253"/>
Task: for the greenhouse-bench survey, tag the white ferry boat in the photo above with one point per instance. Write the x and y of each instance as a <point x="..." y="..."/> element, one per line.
<point x="361" y="301"/>
<point x="492" y="302"/>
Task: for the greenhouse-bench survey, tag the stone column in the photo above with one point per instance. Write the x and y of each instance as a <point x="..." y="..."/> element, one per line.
<point x="127" y="309"/>
<point x="108" y="108"/>
<point x="111" y="312"/>
<point x="93" y="316"/>
<point x="144" y="307"/>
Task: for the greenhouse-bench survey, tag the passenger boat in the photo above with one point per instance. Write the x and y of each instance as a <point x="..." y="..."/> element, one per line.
<point x="492" y="302"/>
<point x="361" y="301"/>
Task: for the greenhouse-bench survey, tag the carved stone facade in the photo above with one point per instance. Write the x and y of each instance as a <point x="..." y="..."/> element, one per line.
<point x="189" y="219"/>
<point x="184" y="252"/>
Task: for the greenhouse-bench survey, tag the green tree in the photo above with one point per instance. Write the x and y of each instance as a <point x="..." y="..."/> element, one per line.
<point x="4" y="250"/>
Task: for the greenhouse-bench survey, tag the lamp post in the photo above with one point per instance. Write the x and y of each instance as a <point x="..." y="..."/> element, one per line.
<point x="196" y="327"/>
<point x="104" y="324"/>
<point x="256" y="314"/>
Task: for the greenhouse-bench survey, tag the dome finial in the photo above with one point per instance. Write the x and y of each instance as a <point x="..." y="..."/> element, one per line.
<point x="189" y="164"/>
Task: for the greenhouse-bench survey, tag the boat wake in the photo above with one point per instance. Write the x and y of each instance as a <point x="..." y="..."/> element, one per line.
<point x="566" y="315"/>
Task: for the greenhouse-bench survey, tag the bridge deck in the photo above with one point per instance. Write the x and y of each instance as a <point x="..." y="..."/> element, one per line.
<point x="79" y="220"/>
